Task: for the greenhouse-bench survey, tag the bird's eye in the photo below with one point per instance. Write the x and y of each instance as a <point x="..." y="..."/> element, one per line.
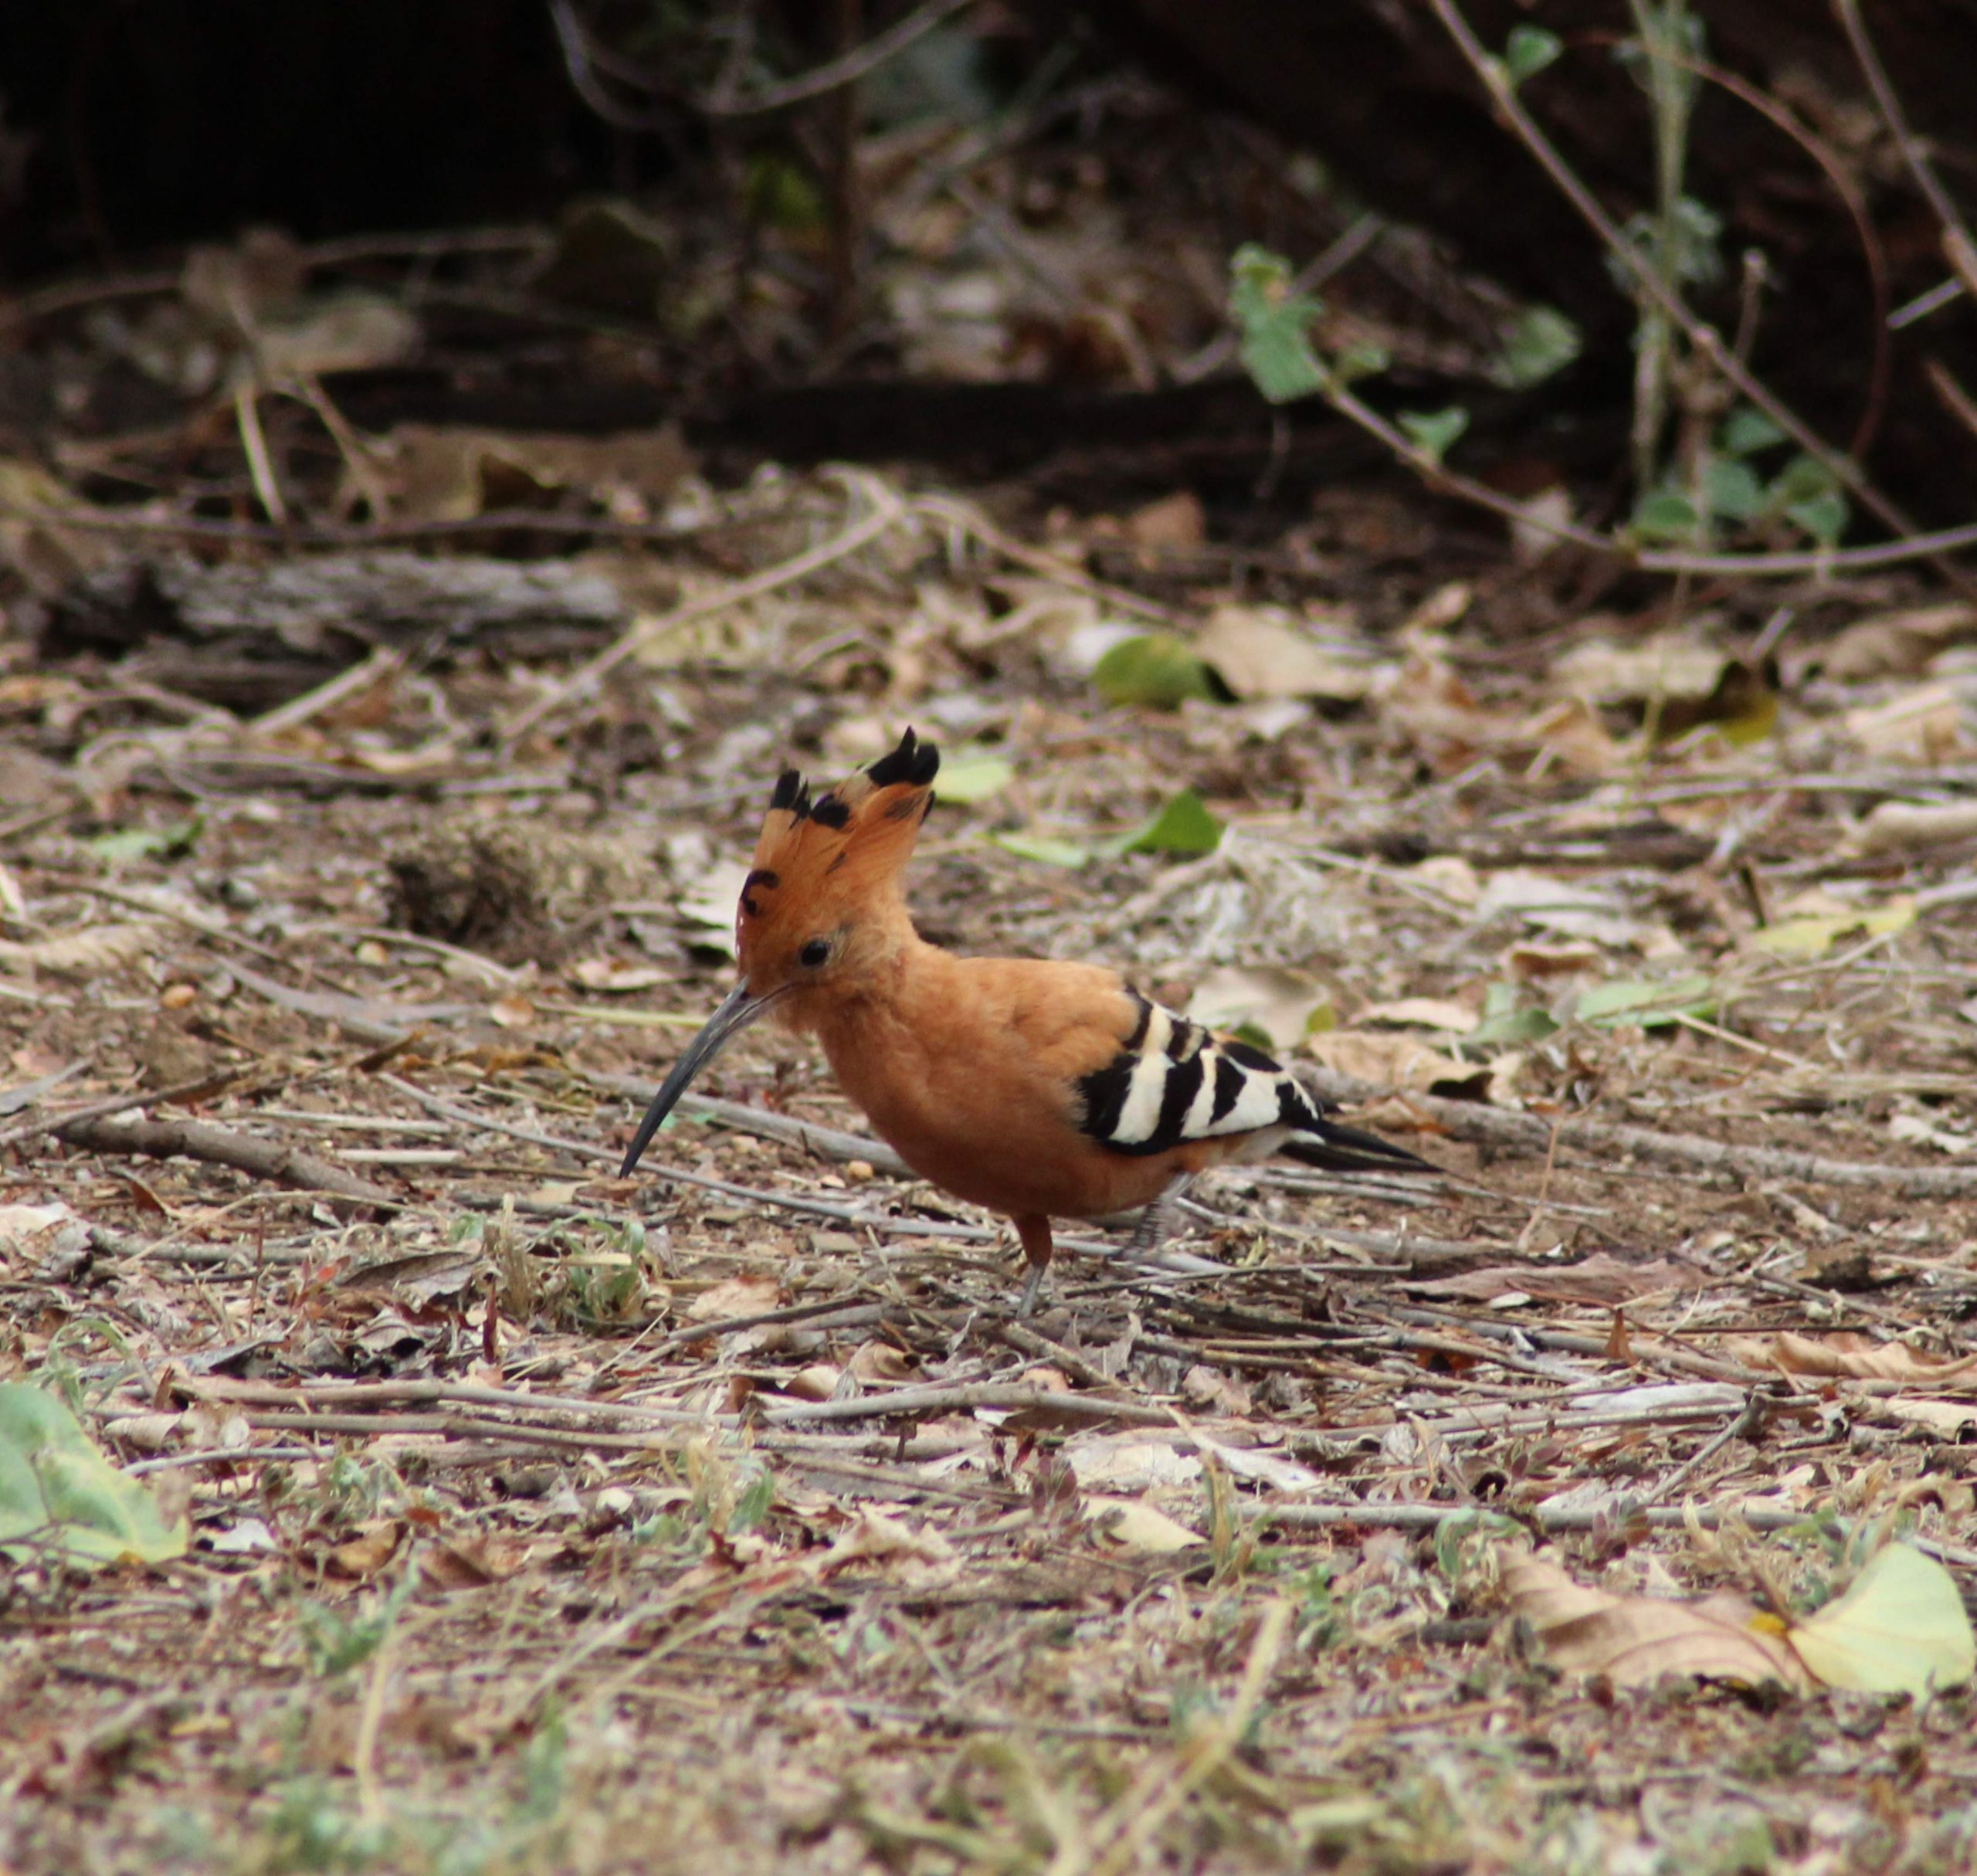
<point x="816" y="952"/>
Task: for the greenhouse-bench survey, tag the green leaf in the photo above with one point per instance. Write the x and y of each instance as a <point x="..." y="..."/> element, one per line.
<point x="1362" y="358"/>
<point x="1184" y="826"/>
<point x="1745" y="432"/>
<point x="1435" y="432"/>
<point x="1529" y="50"/>
<point x="1540" y="342"/>
<point x="172" y="842"/>
<point x="1814" y="935"/>
<point x="1652" y="1006"/>
<point x="1276" y="325"/>
<point x="969" y="777"/>
<point x="1664" y="515"/>
<point x="1042" y="849"/>
<point x="1901" y="1628"/>
<point x="1804" y="478"/>
<point x="1733" y="489"/>
<point x="1156" y="668"/>
<point x="57" y="1491"/>
<point x="1824" y="517"/>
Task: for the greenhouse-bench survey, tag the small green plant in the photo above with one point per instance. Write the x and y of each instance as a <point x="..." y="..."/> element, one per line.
<point x="334" y="1642"/>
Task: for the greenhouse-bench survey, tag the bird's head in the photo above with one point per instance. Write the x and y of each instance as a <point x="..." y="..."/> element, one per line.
<point x="822" y="903"/>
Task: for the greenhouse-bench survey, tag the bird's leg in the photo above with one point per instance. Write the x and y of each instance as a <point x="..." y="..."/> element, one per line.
<point x="1035" y="1233"/>
<point x="1151" y="1232"/>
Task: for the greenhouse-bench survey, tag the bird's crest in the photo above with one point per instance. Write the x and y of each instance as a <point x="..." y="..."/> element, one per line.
<point x="821" y="859"/>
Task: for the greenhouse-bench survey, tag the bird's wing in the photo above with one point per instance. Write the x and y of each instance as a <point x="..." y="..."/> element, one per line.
<point x="1170" y="1081"/>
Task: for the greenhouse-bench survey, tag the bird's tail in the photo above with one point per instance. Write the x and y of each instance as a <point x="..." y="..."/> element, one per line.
<point x="1333" y="1148"/>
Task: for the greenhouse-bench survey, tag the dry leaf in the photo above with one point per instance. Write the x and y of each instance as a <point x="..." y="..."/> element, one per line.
<point x="1128" y="1462"/>
<point x="1175" y="520"/>
<point x="1281" y="1005"/>
<point x="1846" y="1357"/>
<point x="1894" y="644"/>
<point x="84" y="951"/>
<point x="747" y="1295"/>
<point x="1266" y="652"/>
<point x="367" y="1553"/>
<point x="618" y="976"/>
<point x="1904" y="826"/>
<point x="1947" y="1417"/>
<point x="1400" y="1062"/>
<point x="1426" y="1012"/>
<point x="1900" y="1628"/>
<point x="1134" y="1524"/>
<point x="1636" y="1639"/>
<point x="1928" y="724"/>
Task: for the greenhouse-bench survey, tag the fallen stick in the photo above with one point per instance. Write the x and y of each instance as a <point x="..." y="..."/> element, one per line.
<point x="1468" y="1120"/>
<point x="267" y="1159"/>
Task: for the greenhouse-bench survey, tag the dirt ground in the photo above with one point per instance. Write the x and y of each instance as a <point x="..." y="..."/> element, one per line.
<point x="727" y="1515"/>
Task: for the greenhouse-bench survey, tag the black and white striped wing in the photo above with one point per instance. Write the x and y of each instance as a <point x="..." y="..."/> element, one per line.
<point x="1172" y="1081"/>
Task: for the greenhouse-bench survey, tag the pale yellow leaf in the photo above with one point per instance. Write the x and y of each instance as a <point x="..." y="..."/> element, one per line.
<point x="1901" y="1628"/>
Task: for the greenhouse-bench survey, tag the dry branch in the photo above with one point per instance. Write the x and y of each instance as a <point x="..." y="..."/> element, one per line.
<point x="266" y="1159"/>
<point x="1466" y="1120"/>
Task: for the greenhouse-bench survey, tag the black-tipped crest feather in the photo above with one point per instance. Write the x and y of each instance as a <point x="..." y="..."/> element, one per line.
<point x="913" y="761"/>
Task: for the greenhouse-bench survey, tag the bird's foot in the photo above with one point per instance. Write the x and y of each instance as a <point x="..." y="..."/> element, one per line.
<point x="1027" y="1302"/>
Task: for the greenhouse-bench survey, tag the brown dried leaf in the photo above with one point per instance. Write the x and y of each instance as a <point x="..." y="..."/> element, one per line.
<point x="1848" y="1357"/>
<point x="1400" y="1062"/>
<point x="750" y="1294"/>
<point x="1636" y="1639"/>
<point x="367" y="1553"/>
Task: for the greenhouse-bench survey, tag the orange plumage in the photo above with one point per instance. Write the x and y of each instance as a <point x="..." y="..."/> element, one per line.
<point x="1038" y="1089"/>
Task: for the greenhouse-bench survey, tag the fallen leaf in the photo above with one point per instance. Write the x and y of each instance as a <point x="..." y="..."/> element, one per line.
<point x="1846" y="1356"/>
<point x="1399" y="1062"/>
<point x="59" y="1492"/>
<point x="1900" y="1628"/>
<point x="1266" y="652"/>
<point x="1134" y="1525"/>
<point x="971" y="776"/>
<point x="1175" y="521"/>
<point x="1927" y="723"/>
<point x="1043" y="848"/>
<point x="617" y="976"/>
<point x="1810" y="937"/>
<point x="876" y="1537"/>
<point x="1280" y="1006"/>
<point x="1908" y="826"/>
<point x="1898" y="644"/>
<point x="1947" y="1417"/>
<point x="1647" y="1004"/>
<point x="1914" y="1130"/>
<point x="1128" y="1462"/>
<point x="1426" y="1012"/>
<point x="1183" y="825"/>
<point x="747" y="1295"/>
<point x="1635" y="1641"/>
<point x="1156" y="669"/>
<point x="89" y="950"/>
<point x="374" y="1545"/>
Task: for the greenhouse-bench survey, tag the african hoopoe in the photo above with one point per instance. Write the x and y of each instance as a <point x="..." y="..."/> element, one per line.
<point x="1037" y="1089"/>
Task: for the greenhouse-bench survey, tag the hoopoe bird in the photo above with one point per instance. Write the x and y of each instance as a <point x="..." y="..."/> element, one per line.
<point x="1039" y="1089"/>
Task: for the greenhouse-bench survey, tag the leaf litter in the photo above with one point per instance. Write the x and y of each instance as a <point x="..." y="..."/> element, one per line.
<point x="554" y="1522"/>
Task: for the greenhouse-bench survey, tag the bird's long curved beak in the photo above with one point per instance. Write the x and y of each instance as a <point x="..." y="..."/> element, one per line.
<point x="738" y="1009"/>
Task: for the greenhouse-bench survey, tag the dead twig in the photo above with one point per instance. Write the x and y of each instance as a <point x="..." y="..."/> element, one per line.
<point x="1465" y="1120"/>
<point x="267" y="1159"/>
